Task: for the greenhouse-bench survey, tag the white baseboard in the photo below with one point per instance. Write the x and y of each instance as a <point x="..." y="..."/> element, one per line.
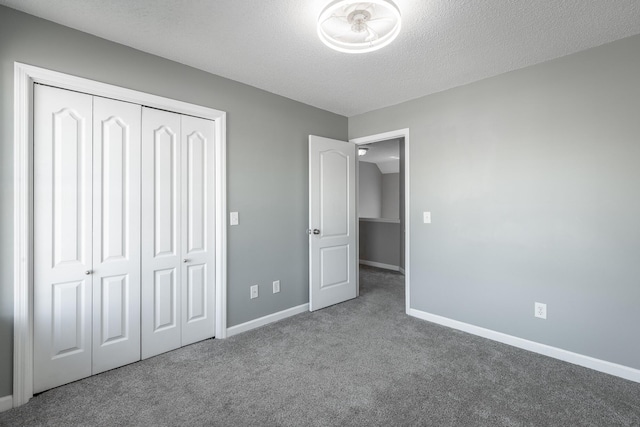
<point x="380" y="265"/>
<point x="6" y="403"/>
<point x="265" y="320"/>
<point x="615" y="369"/>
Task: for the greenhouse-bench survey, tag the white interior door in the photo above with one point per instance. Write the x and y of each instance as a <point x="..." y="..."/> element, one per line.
<point x="332" y="222"/>
<point x="161" y="252"/>
<point x="116" y="241"/>
<point x="198" y="229"/>
<point x="62" y="237"/>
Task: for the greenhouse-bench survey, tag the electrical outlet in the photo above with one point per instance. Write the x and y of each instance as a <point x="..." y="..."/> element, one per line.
<point x="540" y="310"/>
<point x="233" y="218"/>
<point x="276" y="286"/>
<point x="254" y="291"/>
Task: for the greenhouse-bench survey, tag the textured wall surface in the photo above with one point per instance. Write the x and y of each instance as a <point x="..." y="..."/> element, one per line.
<point x="391" y="195"/>
<point x="533" y="182"/>
<point x="369" y="190"/>
<point x="267" y="160"/>
<point x="380" y="242"/>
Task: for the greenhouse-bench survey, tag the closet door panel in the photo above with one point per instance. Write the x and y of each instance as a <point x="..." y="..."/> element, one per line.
<point x="62" y="236"/>
<point x="161" y="261"/>
<point x="197" y="230"/>
<point x="116" y="219"/>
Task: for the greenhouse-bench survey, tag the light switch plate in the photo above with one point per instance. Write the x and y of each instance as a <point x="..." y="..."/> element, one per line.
<point x="427" y="217"/>
<point x="233" y="218"/>
<point x="276" y="286"/>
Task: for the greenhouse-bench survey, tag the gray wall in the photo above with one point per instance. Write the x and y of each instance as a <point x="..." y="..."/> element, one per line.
<point x="380" y="242"/>
<point x="369" y="190"/>
<point x="267" y="138"/>
<point x="533" y="181"/>
<point x="390" y="195"/>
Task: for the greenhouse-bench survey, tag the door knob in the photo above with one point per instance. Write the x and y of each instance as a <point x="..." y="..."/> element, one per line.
<point x="185" y="260"/>
<point x="316" y="231"/>
<point x="88" y="272"/>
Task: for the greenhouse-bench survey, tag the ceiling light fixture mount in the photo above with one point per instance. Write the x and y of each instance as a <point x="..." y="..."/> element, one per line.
<point x="359" y="27"/>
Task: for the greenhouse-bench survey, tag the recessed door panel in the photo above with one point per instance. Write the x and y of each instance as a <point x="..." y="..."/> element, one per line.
<point x="196" y="195"/>
<point x="69" y="318"/>
<point x="196" y="292"/>
<point x="332" y="259"/>
<point x="334" y="266"/>
<point x="164" y="300"/>
<point x="198" y="231"/>
<point x="334" y="194"/>
<point x="116" y="224"/>
<point x="62" y="236"/>
<point x="115" y="186"/>
<point x="165" y="153"/>
<point x="161" y="247"/>
<point x="70" y="177"/>
<point x="114" y="318"/>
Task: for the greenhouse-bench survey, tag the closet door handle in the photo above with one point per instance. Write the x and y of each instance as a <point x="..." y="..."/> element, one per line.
<point x="88" y="272"/>
<point x="185" y="260"/>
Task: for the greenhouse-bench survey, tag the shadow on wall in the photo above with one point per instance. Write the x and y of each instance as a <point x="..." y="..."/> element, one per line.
<point x="6" y="354"/>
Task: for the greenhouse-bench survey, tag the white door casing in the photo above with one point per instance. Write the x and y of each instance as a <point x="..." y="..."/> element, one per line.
<point x="332" y="222"/>
<point x="63" y="237"/>
<point x="197" y="229"/>
<point x="116" y="236"/>
<point x="161" y="195"/>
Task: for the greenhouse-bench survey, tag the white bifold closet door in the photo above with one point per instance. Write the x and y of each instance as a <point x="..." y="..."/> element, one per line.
<point x="86" y="235"/>
<point x="177" y="230"/>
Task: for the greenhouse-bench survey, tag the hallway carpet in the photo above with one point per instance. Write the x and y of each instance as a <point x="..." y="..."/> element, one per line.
<point x="360" y="363"/>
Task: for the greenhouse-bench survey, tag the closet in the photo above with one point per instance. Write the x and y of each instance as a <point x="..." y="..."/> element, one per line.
<point x="123" y="233"/>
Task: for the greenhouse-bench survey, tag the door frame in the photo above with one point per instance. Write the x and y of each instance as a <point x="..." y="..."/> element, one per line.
<point x="25" y="76"/>
<point x="394" y="134"/>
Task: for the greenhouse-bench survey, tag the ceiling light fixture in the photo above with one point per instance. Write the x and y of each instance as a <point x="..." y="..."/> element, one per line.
<point x="362" y="151"/>
<point x="359" y="27"/>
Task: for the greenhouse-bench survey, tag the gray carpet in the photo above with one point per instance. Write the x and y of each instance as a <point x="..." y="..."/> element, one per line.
<point x="363" y="362"/>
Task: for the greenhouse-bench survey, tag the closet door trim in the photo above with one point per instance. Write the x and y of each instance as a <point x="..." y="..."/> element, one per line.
<point x="25" y="76"/>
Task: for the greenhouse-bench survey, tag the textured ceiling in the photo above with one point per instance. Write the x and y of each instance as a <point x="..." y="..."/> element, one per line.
<point x="273" y="44"/>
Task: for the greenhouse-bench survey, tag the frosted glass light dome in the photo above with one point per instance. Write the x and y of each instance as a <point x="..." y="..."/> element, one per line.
<point x="359" y="27"/>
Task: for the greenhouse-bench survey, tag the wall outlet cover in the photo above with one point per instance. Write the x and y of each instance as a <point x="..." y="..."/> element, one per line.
<point x="233" y="218"/>
<point x="540" y="310"/>
<point x="254" y="291"/>
<point x="276" y="286"/>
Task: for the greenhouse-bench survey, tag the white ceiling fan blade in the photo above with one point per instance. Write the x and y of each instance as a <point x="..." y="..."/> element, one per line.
<point x="384" y="18"/>
<point x="372" y="35"/>
<point x="338" y="17"/>
<point x="346" y="33"/>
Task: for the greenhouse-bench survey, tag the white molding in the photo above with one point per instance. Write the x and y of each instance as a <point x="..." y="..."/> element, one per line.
<point x="6" y="403"/>
<point x="24" y="78"/>
<point x="265" y="320"/>
<point x="400" y="133"/>
<point x="401" y="270"/>
<point x="615" y="369"/>
<point x="221" y="228"/>
<point x="385" y="220"/>
<point x="23" y="302"/>
<point x="380" y="265"/>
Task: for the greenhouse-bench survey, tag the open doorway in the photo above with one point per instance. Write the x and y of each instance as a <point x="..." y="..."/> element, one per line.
<point x="383" y="203"/>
